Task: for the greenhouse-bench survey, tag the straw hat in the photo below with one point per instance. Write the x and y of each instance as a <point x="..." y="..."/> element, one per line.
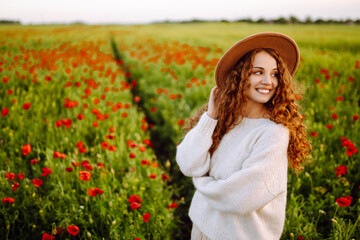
<point x="283" y="44"/>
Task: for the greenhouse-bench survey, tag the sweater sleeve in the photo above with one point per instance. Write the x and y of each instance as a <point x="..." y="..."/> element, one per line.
<point x="192" y="153"/>
<point x="262" y="178"/>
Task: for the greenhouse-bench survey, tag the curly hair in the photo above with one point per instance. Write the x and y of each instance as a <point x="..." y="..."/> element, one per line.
<point x="282" y="108"/>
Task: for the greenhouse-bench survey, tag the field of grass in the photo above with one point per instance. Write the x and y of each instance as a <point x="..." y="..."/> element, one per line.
<point x="91" y="115"/>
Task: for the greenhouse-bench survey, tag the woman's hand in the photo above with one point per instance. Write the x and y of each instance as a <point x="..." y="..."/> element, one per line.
<point x="213" y="106"/>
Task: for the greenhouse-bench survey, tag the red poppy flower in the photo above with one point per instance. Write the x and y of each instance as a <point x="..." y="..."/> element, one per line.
<point x="112" y="148"/>
<point x="20" y="176"/>
<point x="9" y="92"/>
<point x="94" y="192"/>
<point x="329" y="126"/>
<point x="134" y="198"/>
<point x="5" y="79"/>
<point x="26" y="149"/>
<point x="46" y="172"/>
<point x="153" y="176"/>
<point x="48" y="237"/>
<point x="69" y="169"/>
<point x="37" y="182"/>
<point x="341" y="170"/>
<point x="145" y="162"/>
<point x="132" y="155"/>
<point x="334" y="116"/>
<point x="59" y="155"/>
<point x="356" y="117"/>
<point x="344" y="201"/>
<point x="100" y="165"/>
<point x="135" y="205"/>
<point x="85" y="164"/>
<point x="172" y="205"/>
<point x="26" y="106"/>
<point x="10" y="176"/>
<point x="137" y="99"/>
<point x="124" y="115"/>
<point x="34" y="161"/>
<point x="105" y="145"/>
<point x="81" y="116"/>
<point x="15" y="185"/>
<point x="142" y="149"/>
<point x="314" y="134"/>
<point x="4" y="112"/>
<point x="8" y="200"/>
<point x="181" y="122"/>
<point x="146" y="217"/>
<point x="340" y="99"/>
<point x="84" y="175"/>
<point x="95" y="124"/>
<point x="165" y="177"/>
<point x="73" y="230"/>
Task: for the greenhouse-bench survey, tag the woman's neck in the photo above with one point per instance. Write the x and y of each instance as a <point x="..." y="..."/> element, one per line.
<point x="255" y="111"/>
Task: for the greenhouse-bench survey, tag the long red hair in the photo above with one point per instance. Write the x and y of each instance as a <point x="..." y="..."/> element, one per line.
<point x="282" y="108"/>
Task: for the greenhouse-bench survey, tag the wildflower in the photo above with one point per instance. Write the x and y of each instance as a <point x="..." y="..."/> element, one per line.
<point x="134" y="198"/>
<point x="172" y="205"/>
<point x="135" y="205"/>
<point x="153" y="176"/>
<point x="105" y="145"/>
<point x="142" y="149"/>
<point x="181" y="122"/>
<point x="339" y="99"/>
<point x="112" y="148"/>
<point x="334" y="116"/>
<point x="46" y="172"/>
<point x="15" y="185"/>
<point x="145" y="162"/>
<point x="69" y="169"/>
<point x="8" y="200"/>
<point x="351" y="149"/>
<point x="26" y="149"/>
<point x="73" y="230"/>
<point x="94" y="192"/>
<point x="80" y="116"/>
<point x="356" y="117"/>
<point x="165" y="177"/>
<point x="314" y="134"/>
<point x="329" y="126"/>
<point x="132" y="155"/>
<point x="26" y="106"/>
<point x="37" y="182"/>
<point x="34" y="161"/>
<point x="10" y="176"/>
<point x="146" y="217"/>
<point x="341" y="170"/>
<point x="47" y="236"/>
<point x="84" y="175"/>
<point x="344" y="201"/>
<point x="85" y="164"/>
<point x="59" y="155"/>
<point x="4" y="112"/>
<point x="20" y="176"/>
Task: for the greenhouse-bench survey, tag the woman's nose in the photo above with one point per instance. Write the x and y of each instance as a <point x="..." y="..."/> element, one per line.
<point x="266" y="80"/>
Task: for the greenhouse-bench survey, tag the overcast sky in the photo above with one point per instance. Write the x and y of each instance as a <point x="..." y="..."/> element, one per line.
<point x="146" y="11"/>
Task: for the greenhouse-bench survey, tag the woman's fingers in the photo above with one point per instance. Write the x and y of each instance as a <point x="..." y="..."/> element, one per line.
<point x="213" y="103"/>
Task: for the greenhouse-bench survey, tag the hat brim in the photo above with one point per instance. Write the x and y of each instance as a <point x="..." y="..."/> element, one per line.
<point x="285" y="46"/>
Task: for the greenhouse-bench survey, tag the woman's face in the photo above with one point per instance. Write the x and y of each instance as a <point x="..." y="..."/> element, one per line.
<point x="263" y="79"/>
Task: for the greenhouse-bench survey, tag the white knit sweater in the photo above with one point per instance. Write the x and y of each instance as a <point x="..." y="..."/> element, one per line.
<point x="241" y="190"/>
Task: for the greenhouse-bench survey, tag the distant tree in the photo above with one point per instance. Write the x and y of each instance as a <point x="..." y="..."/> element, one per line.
<point x="294" y="20"/>
<point x="4" y="21"/>
<point x="319" y="21"/>
<point x="308" y="20"/>
<point x="281" y="20"/>
<point x="261" y="20"/>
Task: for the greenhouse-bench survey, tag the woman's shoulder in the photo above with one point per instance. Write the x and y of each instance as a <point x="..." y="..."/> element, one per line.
<point x="274" y="131"/>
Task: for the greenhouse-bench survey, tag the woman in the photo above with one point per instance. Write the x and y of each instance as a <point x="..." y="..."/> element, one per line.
<point x="239" y="151"/>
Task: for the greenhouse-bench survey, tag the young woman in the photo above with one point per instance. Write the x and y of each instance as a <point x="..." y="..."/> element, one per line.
<point x="241" y="144"/>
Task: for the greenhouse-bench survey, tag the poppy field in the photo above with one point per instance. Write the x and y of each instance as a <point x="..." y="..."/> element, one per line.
<point x="91" y="115"/>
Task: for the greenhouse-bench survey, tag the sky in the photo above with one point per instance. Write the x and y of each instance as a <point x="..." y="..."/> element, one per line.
<point x="147" y="11"/>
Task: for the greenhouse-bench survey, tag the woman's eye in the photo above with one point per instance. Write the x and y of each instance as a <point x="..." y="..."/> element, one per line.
<point x="257" y="72"/>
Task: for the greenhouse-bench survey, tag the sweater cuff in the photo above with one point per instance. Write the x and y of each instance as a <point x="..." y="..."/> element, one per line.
<point x="207" y="124"/>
